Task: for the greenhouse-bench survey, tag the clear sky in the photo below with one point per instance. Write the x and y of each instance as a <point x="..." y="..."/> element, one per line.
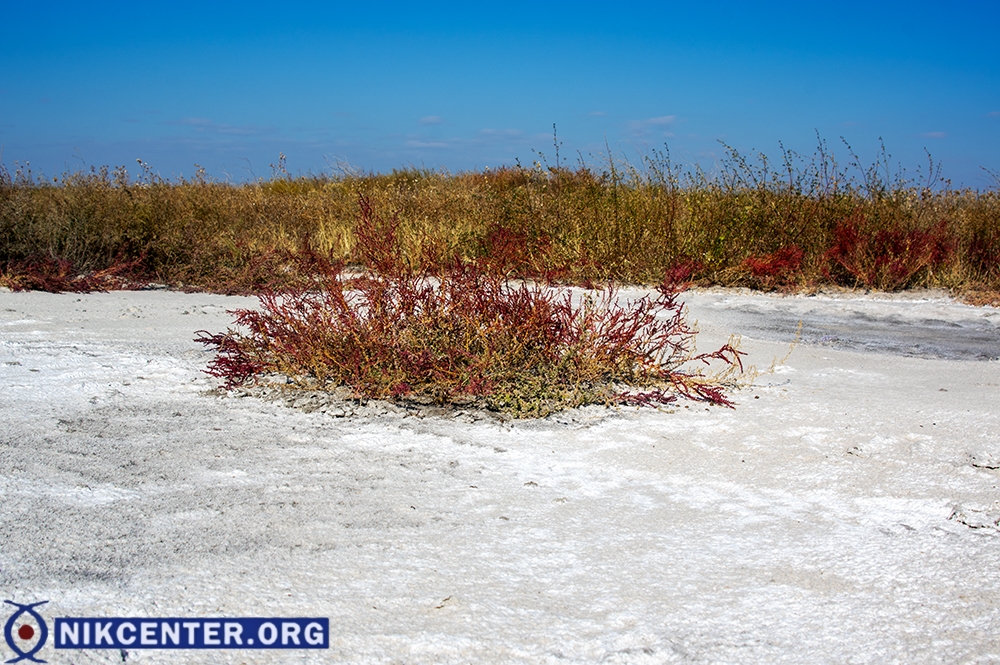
<point x="383" y="85"/>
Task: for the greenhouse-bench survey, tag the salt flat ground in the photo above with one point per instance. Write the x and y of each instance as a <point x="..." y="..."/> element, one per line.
<point x="845" y="512"/>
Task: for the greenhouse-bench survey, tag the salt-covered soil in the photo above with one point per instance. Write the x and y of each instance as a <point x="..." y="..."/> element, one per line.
<point x="845" y="512"/>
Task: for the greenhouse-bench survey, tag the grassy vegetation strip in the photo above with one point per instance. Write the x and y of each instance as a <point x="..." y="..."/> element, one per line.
<point x="805" y="224"/>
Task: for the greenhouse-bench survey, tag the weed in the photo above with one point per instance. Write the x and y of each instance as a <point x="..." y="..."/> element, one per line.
<point x="886" y="259"/>
<point x="464" y="332"/>
<point x="776" y="270"/>
<point x="59" y="275"/>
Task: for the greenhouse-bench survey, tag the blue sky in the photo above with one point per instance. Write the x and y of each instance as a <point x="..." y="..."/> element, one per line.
<point x="461" y="86"/>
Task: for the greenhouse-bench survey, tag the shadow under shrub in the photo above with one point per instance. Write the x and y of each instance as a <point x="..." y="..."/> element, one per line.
<point x="465" y="333"/>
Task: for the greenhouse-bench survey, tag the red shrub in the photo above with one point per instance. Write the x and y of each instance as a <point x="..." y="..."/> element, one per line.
<point x="514" y="253"/>
<point x="887" y="259"/>
<point x="776" y="269"/>
<point x="59" y="275"/>
<point x="465" y="331"/>
<point x="243" y="271"/>
<point x="680" y="275"/>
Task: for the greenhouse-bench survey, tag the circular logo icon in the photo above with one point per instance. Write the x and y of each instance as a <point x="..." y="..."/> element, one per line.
<point x="29" y="624"/>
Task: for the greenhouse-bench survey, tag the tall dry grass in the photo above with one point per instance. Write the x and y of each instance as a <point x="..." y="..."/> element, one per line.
<point x="801" y="223"/>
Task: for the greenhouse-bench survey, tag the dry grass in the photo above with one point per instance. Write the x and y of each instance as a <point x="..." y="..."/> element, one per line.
<point x="803" y="224"/>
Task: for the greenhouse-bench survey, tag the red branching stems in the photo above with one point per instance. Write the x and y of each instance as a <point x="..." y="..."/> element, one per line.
<point x="888" y="259"/>
<point x="464" y="332"/>
<point x="777" y="269"/>
<point x="59" y="275"/>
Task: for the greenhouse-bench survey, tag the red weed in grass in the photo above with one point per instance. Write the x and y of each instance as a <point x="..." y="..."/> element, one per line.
<point x="520" y="255"/>
<point x="776" y="269"/>
<point x="465" y="332"/>
<point x="248" y="271"/>
<point x="887" y="259"/>
<point x="516" y="254"/>
<point x="59" y="275"/>
<point x="680" y="274"/>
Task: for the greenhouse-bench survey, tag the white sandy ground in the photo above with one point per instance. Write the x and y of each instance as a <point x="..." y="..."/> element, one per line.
<point x="845" y="512"/>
